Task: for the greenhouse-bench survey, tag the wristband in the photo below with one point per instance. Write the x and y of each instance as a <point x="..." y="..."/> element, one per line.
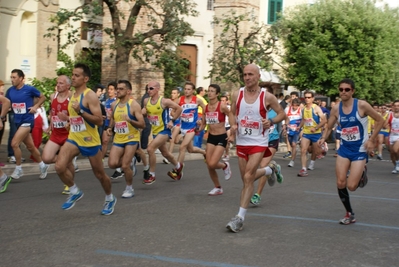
<point x="271" y="122"/>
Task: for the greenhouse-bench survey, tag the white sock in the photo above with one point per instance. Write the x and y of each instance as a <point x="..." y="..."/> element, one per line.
<point x="118" y="169"/>
<point x="129" y="187"/>
<point x="109" y="197"/>
<point x="74" y="189"/>
<point x="41" y="164"/>
<point x="268" y="170"/>
<point x="18" y="167"/>
<point x="177" y="165"/>
<point x="311" y="162"/>
<point x="242" y="213"/>
<point x="147" y="167"/>
<point x="152" y="173"/>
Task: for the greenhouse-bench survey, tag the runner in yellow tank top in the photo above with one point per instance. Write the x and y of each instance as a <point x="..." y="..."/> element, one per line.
<point x="85" y="115"/>
<point x="125" y="121"/>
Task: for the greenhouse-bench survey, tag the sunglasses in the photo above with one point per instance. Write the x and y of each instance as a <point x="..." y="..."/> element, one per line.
<point x="345" y="89"/>
<point x="308" y="97"/>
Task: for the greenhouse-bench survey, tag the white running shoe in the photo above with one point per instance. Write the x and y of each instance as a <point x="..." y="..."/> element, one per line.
<point x="215" y="192"/>
<point x="166" y="161"/>
<point x="311" y="166"/>
<point x="128" y="193"/>
<point x="18" y="173"/>
<point x="43" y="171"/>
<point x="291" y="164"/>
<point x="75" y="165"/>
<point x="227" y="171"/>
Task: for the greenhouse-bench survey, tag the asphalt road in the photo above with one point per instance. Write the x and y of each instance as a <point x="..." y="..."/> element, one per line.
<point x="176" y="224"/>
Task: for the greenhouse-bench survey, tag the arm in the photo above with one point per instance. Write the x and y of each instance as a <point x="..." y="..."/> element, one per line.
<point x="111" y="125"/>
<point x="330" y="125"/>
<point x="39" y="101"/>
<point x="271" y="100"/>
<point x="232" y="116"/>
<point x="4" y="109"/>
<point x="93" y="104"/>
<point x="322" y="117"/>
<point x="167" y="103"/>
<point x="135" y="110"/>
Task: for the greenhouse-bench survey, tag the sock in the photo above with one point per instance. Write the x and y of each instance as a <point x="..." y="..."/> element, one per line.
<point x="109" y="197"/>
<point x="147" y="167"/>
<point x="225" y="166"/>
<point x="268" y="170"/>
<point x="19" y="167"/>
<point x="152" y="173"/>
<point x="41" y="164"/>
<point x="129" y="187"/>
<point x="311" y="162"/>
<point x="344" y="196"/>
<point x="118" y="169"/>
<point x="177" y="165"/>
<point x="242" y="213"/>
<point x="74" y="189"/>
<point x="304" y="168"/>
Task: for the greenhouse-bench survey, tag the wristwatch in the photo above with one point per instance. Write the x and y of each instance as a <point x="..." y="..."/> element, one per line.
<point x="81" y="111"/>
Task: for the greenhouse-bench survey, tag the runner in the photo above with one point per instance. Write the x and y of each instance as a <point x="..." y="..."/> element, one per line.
<point x="85" y="115"/>
<point x="393" y="121"/>
<point x="215" y="116"/>
<point x="174" y="96"/>
<point x="249" y="125"/>
<point x="59" y="118"/>
<point x="352" y="114"/>
<point x="157" y="111"/>
<point x="291" y="126"/>
<point x="125" y="119"/>
<point x="22" y="99"/>
<point x="6" y="104"/>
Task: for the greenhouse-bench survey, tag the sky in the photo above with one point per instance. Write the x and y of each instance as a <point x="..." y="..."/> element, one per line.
<point x="392" y="3"/>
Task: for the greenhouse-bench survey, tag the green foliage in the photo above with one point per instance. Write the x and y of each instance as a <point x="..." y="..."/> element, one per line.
<point x="165" y="23"/>
<point x="235" y="48"/>
<point x="336" y="39"/>
<point x="46" y="86"/>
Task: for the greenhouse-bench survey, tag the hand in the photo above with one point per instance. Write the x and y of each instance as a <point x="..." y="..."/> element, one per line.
<point x="32" y="110"/>
<point x="321" y="141"/>
<point x="76" y="106"/>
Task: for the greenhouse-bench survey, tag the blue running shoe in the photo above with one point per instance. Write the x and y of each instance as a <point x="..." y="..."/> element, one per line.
<point x="109" y="207"/>
<point x="71" y="200"/>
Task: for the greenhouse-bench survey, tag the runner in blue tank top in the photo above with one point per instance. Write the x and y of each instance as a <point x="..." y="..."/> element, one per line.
<point x="351" y="114"/>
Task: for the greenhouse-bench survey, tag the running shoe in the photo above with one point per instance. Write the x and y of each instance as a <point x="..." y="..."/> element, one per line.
<point x="166" y="161"/>
<point x="146" y="174"/>
<point x="66" y="190"/>
<point x="364" y="179"/>
<point x="348" y="219"/>
<point x="109" y="207"/>
<point x="226" y="158"/>
<point x="137" y="156"/>
<point x="236" y="224"/>
<point x="276" y="172"/>
<point x="71" y="200"/>
<point x="177" y="174"/>
<point x="215" y="192"/>
<point x="379" y="157"/>
<point x="311" y="166"/>
<point x="288" y="155"/>
<point x="291" y="164"/>
<point x="302" y="173"/>
<point x="133" y="166"/>
<point x="117" y="175"/>
<point x="394" y="171"/>
<point x="4" y="184"/>
<point x="397" y="167"/>
<point x="227" y="171"/>
<point x="128" y="193"/>
<point x="255" y="199"/>
<point x="43" y="171"/>
<point x="150" y="180"/>
<point x="18" y="173"/>
<point x="13" y="160"/>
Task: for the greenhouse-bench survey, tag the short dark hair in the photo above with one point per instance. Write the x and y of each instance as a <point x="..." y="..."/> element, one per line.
<point x="112" y="84"/>
<point x="84" y="67"/>
<point x="19" y="72"/>
<point x="308" y="92"/>
<point x="200" y="89"/>
<point x="127" y="83"/>
<point x="348" y="81"/>
<point x="224" y="96"/>
<point x="294" y="93"/>
<point x="190" y="83"/>
<point x="216" y="86"/>
<point x="295" y="101"/>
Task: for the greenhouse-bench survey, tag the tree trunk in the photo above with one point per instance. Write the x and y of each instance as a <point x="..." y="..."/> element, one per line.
<point x="122" y="63"/>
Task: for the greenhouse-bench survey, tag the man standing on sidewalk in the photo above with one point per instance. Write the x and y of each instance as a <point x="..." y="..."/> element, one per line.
<point x="84" y="117"/>
<point x="22" y="98"/>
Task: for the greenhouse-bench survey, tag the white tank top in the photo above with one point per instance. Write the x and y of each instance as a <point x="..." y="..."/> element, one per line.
<point x="249" y="117"/>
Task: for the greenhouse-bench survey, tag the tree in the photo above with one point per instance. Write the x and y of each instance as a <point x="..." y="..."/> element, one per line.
<point x="336" y="39"/>
<point x="165" y="28"/>
<point x="235" y="47"/>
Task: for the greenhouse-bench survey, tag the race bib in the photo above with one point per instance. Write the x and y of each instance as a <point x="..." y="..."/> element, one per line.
<point x="350" y="134"/>
<point x="212" y="117"/>
<point x="19" y="108"/>
<point x="395" y="132"/>
<point x="309" y="122"/>
<point x="109" y="113"/>
<point x="121" y="127"/>
<point x="271" y="129"/>
<point x="187" y="117"/>
<point x="57" y="123"/>
<point x="154" y="120"/>
<point x="248" y="127"/>
<point x="77" y="124"/>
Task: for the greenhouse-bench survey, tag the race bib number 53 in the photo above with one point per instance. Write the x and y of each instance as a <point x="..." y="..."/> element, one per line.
<point x="248" y="127"/>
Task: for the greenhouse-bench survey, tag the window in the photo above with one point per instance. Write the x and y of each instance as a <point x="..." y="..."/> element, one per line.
<point x="275" y="7"/>
<point x="210" y="4"/>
